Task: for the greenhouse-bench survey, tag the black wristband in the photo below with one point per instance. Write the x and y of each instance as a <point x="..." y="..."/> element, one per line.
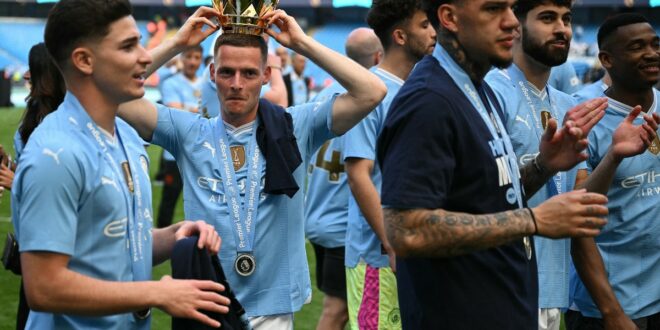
<point x="536" y="227"/>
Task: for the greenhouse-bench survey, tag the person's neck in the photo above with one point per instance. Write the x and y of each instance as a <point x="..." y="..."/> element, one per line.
<point x="631" y="96"/>
<point x="98" y="106"/>
<point x="535" y="72"/>
<point x="191" y="77"/>
<point x="397" y="62"/>
<point x="239" y="120"/>
<point x="474" y="69"/>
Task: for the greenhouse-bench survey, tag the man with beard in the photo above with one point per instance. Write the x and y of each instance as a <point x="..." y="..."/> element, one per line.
<point x="630" y="52"/>
<point x="406" y="35"/>
<point x="452" y="189"/>
<point x="528" y="102"/>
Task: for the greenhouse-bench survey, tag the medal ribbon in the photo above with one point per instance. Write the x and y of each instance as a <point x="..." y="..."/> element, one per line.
<point x="243" y="212"/>
<point x="555" y="185"/>
<point x="134" y="203"/>
<point x="489" y="117"/>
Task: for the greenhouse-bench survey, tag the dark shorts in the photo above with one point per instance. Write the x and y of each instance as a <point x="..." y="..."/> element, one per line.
<point x="576" y="321"/>
<point x="330" y="271"/>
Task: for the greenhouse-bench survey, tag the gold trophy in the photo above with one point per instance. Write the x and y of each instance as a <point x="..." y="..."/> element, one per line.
<point x="244" y="16"/>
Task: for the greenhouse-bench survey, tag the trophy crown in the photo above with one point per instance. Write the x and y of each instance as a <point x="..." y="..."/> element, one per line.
<point x="244" y="16"/>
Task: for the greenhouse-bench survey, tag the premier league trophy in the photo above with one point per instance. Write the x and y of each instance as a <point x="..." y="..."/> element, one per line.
<point x="244" y="16"/>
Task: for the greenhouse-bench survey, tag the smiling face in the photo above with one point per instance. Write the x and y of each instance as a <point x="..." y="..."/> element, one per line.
<point x="485" y="29"/>
<point x="547" y="33"/>
<point x="119" y="62"/>
<point x="239" y="73"/>
<point x="631" y="55"/>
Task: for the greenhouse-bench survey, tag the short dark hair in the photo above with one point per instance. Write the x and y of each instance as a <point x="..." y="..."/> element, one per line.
<point x="195" y="48"/>
<point x="242" y="40"/>
<point x="431" y="9"/>
<point x="386" y="15"/>
<point x="71" y="22"/>
<point x="613" y="23"/>
<point x="523" y="7"/>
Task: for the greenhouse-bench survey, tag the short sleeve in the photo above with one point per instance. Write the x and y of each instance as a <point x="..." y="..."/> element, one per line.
<point x="416" y="151"/>
<point x="47" y="189"/>
<point x="170" y="92"/>
<point x="172" y="128"/>
<point x="312" y="122"/>
<point x="363" y="137"/>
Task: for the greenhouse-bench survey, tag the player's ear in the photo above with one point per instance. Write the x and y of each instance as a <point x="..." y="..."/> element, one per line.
<point x="82" y="59"/>
<point x="447" y="17"/>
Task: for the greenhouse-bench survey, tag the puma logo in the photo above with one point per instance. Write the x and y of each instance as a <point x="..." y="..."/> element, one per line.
<point x="524" y="121"/>
<point x="55" y="155"/>
<point x="207" y="145"/>
<point x="108" y="181"/>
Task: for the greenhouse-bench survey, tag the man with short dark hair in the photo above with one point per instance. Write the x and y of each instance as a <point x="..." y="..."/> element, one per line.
<point x="406" y="35"/>
<point x="524" y="90"/>
<point x="297" y="85"/>
<point x="326" y="202"/>
<point x="626" y="172"/>
<point x="453" y="194"/>
<point x="82" y="197"/>
<point x="243" y="169"/>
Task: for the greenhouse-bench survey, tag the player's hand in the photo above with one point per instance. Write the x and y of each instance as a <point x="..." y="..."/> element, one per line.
<point x="586" y="115"/>
<point x="185" y="298"/>
<point x="208" y="237"/>
<point x="573" y="214"/>
<point x="197" y="28"/>
<point x="291" y="34"/>
<point x="629" y="139"/>
<point x="6" y="177"/>
<point x="562" y="149"/>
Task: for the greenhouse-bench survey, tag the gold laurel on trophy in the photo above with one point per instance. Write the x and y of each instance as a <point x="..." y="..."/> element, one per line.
<point x="244" y="16"/>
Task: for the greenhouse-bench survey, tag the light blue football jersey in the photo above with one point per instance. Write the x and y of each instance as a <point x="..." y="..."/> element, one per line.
<point x="360" y="142"/>
<point x="525" y="126"/>
<point x="280" y="284"/>
<point x="209" y="103"/>
<point x="629" y="243"/>
<point x="178" y="89"/>
<point x="591" y="91"/>
<point x="326" y="202"/>
<point x="565" y="79"/>
<point x="71" y="197"/>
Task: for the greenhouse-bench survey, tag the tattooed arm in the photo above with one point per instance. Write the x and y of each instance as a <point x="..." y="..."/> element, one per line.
<point x="441" y="233"/>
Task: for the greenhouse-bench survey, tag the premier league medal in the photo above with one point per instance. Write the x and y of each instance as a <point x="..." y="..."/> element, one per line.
<point x="654" y="148"/>
<point x="545" y="118"/>
<point x="245" y="264"/>
<point x="528" y="247"/>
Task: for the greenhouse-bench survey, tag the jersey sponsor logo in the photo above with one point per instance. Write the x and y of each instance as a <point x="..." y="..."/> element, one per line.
<point x="208" y="145"/>
<point x="212" y="184"/>
<point x="109" y="181"/>
<point x="237" y="156"/>
<point x="54" y="155"/>
<point x="115" y="228"/>
<point x="638" y="180"/>
<point x="524" y="121"/>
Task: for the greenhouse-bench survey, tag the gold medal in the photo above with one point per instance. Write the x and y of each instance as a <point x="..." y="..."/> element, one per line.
<point x="654" y="148"/>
